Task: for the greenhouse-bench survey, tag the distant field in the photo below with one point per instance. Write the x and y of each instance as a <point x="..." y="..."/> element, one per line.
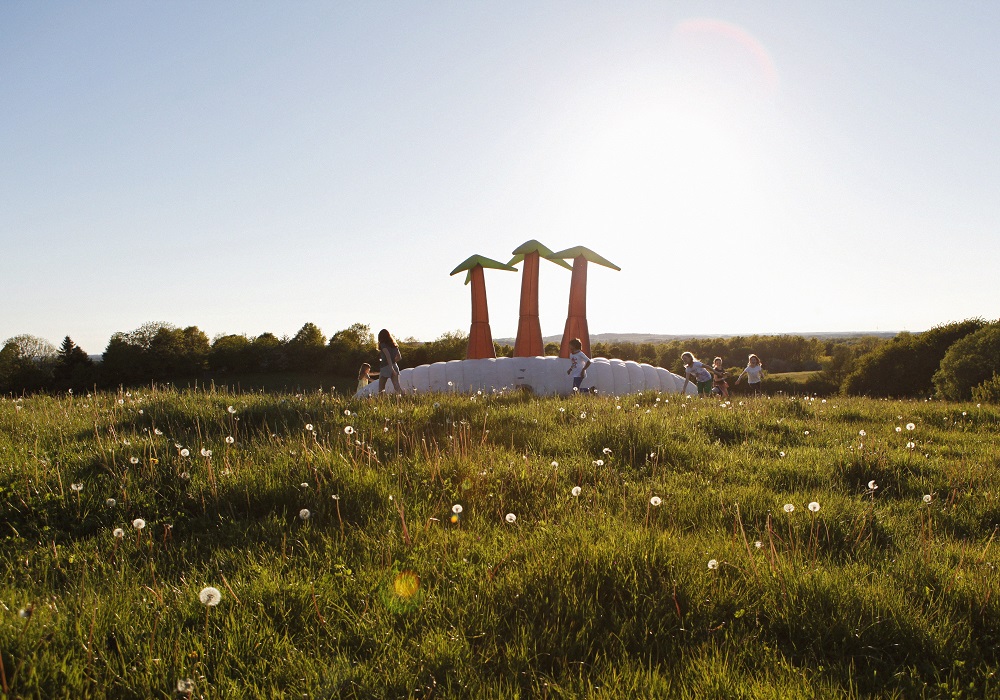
<point x="182" y="544"/>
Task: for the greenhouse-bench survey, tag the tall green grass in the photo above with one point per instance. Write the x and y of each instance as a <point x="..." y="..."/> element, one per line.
<point x="529" y="591"/>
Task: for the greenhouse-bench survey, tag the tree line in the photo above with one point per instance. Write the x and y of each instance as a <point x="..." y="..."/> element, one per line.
<point x="953" y="360"/>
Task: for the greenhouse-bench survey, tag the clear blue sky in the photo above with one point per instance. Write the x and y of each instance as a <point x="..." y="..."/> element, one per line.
<point x="250" y="166"/>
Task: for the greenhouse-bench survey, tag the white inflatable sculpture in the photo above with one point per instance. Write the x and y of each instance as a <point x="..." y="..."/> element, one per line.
<point x="544" y="376"/>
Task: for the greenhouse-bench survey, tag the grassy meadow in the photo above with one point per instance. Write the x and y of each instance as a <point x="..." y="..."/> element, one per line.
<point x="501" y="546"/>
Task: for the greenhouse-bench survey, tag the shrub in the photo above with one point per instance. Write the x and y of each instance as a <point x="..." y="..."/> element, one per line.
<point x="988" y="391"/>
<point x="968" y="363"/>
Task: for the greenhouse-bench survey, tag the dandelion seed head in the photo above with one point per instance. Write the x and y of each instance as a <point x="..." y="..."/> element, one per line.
<point x="576" y="491"/>
<point x="713" y="564"/>
<point x="347" y="411"/>
<point x="899" y="429"/>
<point x="457" y="508"/>
<point x="758" y="544"/>
<point x="862" y="433"/>
<point x="157" y="431"/>
<point x="348" y="430"/>
<point x="911" y="445"/>
<point x="185" y="685"/>
<point x="210" y="596"/>
<point x="598" y="462"/>
<point x="510" y="518"/>
<point x="231" y="409"/>
<point x="118" y="532"/>
<point x="230" y="439"/>
<point x="185" y="452"/>
<point x="111" y="503"/>
<point x="655" y="501"/>
<point x="134" y="460"/>
<point x="927" y="498"/>
<point x="789" y="508"/>
<point x="814" y="507"/>
<point x="607" y="450"/>
<point x="309" y="427"/>
<point x="138" y="523"/>
<point x="910" y="426"/>
<point x="76" y="487"/>
<point x="583" y="415"/>
<point x="872" y="485"/>
<point x="304" y="514"/>
<point x="206" y="452"/>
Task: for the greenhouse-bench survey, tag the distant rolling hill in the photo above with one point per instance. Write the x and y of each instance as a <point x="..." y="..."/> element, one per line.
<point x="664" y="338"/>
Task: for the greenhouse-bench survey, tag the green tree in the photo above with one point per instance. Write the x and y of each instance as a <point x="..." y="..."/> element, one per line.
<point x="349" y="348"/>
<point x="73" y="368"/>
<point x="970" y="362"/>
<point x="306" y="349"/>
<point x="231" y="353"/>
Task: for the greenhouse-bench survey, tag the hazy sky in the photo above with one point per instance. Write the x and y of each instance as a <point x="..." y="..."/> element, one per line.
<point x="753" y="167"/>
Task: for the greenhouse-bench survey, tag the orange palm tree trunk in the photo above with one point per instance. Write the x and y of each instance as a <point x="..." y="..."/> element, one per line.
<point x="529" y="331"/>
<point x="576" y="319"/>
<point x="480" y="336"/>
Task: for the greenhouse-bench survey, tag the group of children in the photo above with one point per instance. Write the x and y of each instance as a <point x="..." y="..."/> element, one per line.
<point x="713" y="380"/>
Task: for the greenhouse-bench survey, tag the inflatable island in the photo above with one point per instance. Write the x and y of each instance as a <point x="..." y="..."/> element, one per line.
<point x="528" y="370"/>
<point x="543" y="376"/>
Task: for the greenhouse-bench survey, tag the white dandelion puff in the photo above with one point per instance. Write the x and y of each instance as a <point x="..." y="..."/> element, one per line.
<point x="457" y="508"/>
<point x="872" y="485"/>
<point x="554" y="464"/>
<point x="185" y="685"/>
<point x="862" y="433"/>
<point x="510" y="518"/>
<point x="118" y="532"/>
<point x="138" y="523"/>
<point x="655" y="501"/>
<point x="814" y="507"/>
<point x="309" y="427"/>
<point x="910" y="426"/>
<point x="927" y="498"/>
<point x="231" y="409"/>
<point x="206" y="452"/>
<point x="76" y="487"/>
<point x="576" y="491"/>
<point x="134" y="460"/>
<point x="607" y="450"/>
<point x="713" y="564"/>
<point x="230" y="439"/>
<point x="210" y="596"/>
<point x="185" y="452"/>
<point x="304" y="514"/>
<point x="349" y="430"/>
<point x="789" y="508"/>
<point x="111" y="503"/>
